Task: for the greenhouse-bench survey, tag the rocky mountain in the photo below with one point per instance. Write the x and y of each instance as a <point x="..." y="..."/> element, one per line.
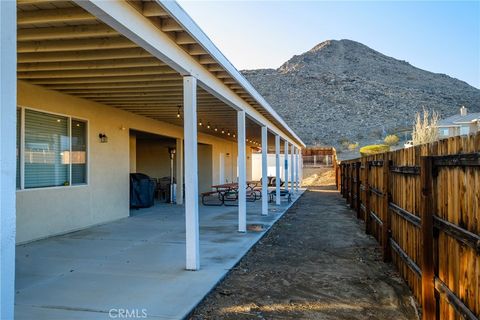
<point x="343" y="91"/>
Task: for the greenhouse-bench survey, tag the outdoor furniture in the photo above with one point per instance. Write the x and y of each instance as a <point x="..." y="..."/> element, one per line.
<point x="272" y="182"/>
<point x="283" y="193"/>
<point x="162" y="190"/>
<point x="142" y="189"/>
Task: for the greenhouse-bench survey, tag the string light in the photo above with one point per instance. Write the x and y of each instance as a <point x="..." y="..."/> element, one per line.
<point x="223" y="131"/>
<point x="178" y="112"/>
<point x="208" y="125"/>
<point x="200" y="123"/>
<point x="216" y="129"/>
<point x="234" y="135"/>
<point x="228" y="133"/>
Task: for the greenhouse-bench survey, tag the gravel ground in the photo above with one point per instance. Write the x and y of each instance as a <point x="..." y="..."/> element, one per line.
<point x="315" y="263"/>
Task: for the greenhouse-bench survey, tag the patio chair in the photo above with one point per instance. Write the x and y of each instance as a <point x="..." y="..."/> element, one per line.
<point x="283" y="193"/>
<point x="272" y="182"/>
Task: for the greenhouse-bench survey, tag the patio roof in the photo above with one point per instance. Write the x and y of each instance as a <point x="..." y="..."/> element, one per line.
<point x="64" y="47"/>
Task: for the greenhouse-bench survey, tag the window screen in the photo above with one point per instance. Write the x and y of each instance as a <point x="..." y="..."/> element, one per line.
<point x="47" y="146"/>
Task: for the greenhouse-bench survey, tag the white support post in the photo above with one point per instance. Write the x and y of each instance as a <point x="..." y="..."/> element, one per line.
<point x="285" y="163"/>
<point x="8" y="114"/>
<point x="297" y="155"/>
<point x="191" y="172"/>
<point x="179" y="170"/>
<point x="292" y="166"/>
<point x="264" y="171"/>
<point x="277" y="170"/>
<point x="242" y="172"/>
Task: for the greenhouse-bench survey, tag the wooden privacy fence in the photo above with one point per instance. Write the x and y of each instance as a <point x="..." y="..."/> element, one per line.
<point x="422" y="204"/>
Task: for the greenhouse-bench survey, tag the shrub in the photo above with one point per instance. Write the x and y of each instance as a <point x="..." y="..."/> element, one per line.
<point x="391" y="140"/>
<point x="374" y="149"/>
<point x="426" y="128"/>
<point x="352" y="146"/>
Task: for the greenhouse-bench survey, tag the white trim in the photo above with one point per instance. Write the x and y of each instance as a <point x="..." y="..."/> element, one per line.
<point x="277" y="170"/>
<point x="8" y="159"/>
<point x="179" y="15"/>
<point x="264" y="171"/>
<point x="192" y="229"/>
<point x="125" y="19"/>
<point x="242" y="172"/>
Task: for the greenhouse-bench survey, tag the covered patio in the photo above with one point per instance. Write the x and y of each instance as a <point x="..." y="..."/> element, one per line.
<point x="76" y="78"/>
<point x="134" y="264"/>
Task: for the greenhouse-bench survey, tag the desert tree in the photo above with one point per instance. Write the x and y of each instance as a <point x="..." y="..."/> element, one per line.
<point x="425" y="129"/>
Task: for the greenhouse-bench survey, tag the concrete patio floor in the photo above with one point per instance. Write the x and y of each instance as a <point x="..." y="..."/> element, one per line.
<point x="135" y="264"/>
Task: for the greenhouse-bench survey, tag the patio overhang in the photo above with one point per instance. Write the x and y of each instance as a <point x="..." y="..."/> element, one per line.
<point x="133" y="55"/>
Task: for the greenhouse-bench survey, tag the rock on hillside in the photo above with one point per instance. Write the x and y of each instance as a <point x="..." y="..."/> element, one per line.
<point x="345" y="91"/>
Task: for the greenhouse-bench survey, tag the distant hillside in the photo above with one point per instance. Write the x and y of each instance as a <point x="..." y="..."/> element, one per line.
<point x="343" y="90"/>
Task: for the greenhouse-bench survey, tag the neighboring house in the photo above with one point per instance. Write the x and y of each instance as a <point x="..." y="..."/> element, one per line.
<point x="463" y="123"/>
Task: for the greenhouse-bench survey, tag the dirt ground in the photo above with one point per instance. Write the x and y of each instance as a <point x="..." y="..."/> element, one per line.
<point x="318" y="177"/>
<point x="315" y="263"/>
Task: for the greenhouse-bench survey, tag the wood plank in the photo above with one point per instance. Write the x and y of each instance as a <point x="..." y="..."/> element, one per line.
<point x="386" y="231"/>
<point x="109" y="72"/>
<point x="74" y="45"/>
<point x="70" y="32"/>
<point x="153" y="9"/>
<point x="89" y="65"/>
<point x="428" y="269"/>
<point x="112" y="79"/>
<point x="80" y="55"/>
<point x="70" y="15"/>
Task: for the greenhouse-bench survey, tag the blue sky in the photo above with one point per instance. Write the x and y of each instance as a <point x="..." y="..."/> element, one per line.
<point x="437" y="36"/>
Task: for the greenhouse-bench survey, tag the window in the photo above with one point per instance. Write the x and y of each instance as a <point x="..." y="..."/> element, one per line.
<point x="79" y="152"/>
<point x="444" y="132"/>
<point x="54" y="150"/>
<point x="464" y="130"/>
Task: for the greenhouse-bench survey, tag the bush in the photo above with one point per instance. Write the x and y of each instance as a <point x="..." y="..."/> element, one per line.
<point x="352" y="146"/>
<point x="391" y="140"/>
<point x="374" y="149"/>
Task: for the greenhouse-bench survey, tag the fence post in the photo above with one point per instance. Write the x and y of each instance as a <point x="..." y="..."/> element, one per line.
<point x="336" y="175"/>
<point x="386" y="226"/>
<point x="429" y="309"/>
<point x="359" y="198"/>
<point x="352" y="184"/>
<point x="341" y="179"/>
<point x="367" y="196"/>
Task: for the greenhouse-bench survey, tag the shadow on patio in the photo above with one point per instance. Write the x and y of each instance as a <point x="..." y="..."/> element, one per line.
<point x="135" y="263"/>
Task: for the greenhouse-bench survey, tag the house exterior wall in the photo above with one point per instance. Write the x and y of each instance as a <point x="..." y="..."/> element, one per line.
<point x="152" y="158"/>
<point x="49" y="211"/>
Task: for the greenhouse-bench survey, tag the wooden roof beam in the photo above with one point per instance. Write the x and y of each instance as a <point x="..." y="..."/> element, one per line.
<point x="88" y="55"/>
<point x="152" y="9"/>
<point x="170" y="25"/>
<point x="74" y="45"/>
<point x="85" y="80"/>
<point x="196" y="50"/>
<point x="74" y="32"/>
<point x="70" y="15"/>
<point x="116" y="85"/>
<point x="95" y="73"/>
<point x="184" y="38"/>
<point x="90" y="65"/>
<point x="206" y="59"/>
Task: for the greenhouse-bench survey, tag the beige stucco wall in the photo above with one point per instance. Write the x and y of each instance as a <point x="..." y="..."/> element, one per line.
<point x="152" y="157"/>
<point x="49" y="211"/>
